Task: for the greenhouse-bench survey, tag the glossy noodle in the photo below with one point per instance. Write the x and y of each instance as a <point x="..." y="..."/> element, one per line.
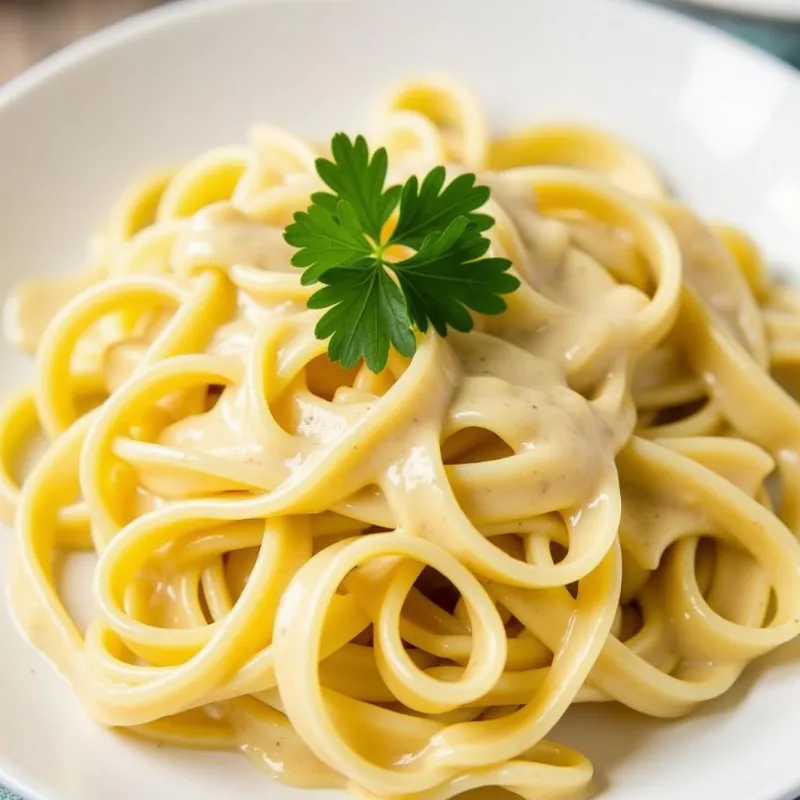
<point x="398" y="583"/>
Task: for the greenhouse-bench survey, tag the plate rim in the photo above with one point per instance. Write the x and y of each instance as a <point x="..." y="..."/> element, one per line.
<point x="143" y="23"/>
<point x="160" y="17"/>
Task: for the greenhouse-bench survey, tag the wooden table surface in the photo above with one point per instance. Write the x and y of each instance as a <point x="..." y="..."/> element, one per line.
<point x="32" y="29"/>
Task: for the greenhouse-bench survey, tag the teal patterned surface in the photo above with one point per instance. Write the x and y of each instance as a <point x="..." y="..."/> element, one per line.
<point x="781" y="39"/>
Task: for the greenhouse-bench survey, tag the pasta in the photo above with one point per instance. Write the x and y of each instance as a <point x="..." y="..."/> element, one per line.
<point x="397" y="583"/>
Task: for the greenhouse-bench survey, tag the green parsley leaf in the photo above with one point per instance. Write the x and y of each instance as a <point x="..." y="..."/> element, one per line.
<point x="359" y="180"/>
<point x="429" y="209"/>
<point x="325" y="240"/>
<point x="368" y="315"/>
<point x="447" y="276"/>
<point x="373" y="303"/>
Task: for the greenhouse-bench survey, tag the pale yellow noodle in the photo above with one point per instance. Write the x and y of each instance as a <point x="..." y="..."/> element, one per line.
<point x="397" y="584"/>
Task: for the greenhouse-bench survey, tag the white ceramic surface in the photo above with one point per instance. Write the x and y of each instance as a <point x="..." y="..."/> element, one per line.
<point x="721" y="119"/>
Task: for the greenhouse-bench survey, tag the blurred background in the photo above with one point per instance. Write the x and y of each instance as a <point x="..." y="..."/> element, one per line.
<point x="32" y="29"/>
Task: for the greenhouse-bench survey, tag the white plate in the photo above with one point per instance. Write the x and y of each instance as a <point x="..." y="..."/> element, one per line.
<point x="720" y="118"/>
<point x="774" y="9"/>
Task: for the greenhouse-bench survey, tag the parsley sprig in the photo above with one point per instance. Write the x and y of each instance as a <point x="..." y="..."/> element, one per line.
<point x="374" y="302"/>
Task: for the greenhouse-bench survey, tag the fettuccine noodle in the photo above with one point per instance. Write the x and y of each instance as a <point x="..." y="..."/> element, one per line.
<point x="398" y="583"/>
